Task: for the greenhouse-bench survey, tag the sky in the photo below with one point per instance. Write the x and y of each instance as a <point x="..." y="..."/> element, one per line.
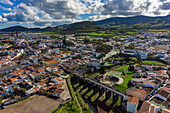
<point x="44" y="13"/>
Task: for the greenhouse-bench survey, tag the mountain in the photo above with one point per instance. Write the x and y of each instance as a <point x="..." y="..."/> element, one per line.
<point x="19" y="29"/>
<point x="82" y="27"/>
<point x="135" y="22"/>
<point x="116" y="24"/>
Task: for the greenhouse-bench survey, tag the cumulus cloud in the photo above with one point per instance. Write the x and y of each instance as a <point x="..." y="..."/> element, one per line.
<point x="3" y="19"/>
<point x="114" y="8"/>
<point x="56" y="12"/>
<point x="7" y="2"/>
<point x="47" y="11"/>
<point x="5" y="9"/>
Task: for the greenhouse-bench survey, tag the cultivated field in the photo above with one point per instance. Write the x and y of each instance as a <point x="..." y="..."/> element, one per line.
<point x="37" y="104"/>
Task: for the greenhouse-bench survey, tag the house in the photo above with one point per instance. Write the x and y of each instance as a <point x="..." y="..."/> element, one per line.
<point x="148" y="107"/>
<point x="34" y="59"/>
<point x="165" y="111"/>
<point x="42" y="71"/>
<point x="74" y="67"/>
<point x="142" y="53"/>
<point x="30" y="92"/>
<point x="28" y="72"/>
<point x="95" y="63"/>
<point x="24" y="76"/>
<point x="24" y="84"/>
<point x="163" y="94"/>
<point x="162" y="73"/>
<point x="57" y="80"/>
<point x="58" y="93"/>
<point x="2" y="86"/>
<point x="4" y="62"/>
<point x="16" y="79"/>
<point x="139" y="93"/>
<point x="35" y="76"/>
<point x="50" y="69"/>
<point x="36" y="67"/>
<point x="52" y="63"/>
<point x="149" y="84"/>
<point x="132" y="104"/>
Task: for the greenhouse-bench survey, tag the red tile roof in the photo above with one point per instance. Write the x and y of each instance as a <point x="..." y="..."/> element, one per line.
<point x="52" y="62"/>
<point x="133" y="100"/>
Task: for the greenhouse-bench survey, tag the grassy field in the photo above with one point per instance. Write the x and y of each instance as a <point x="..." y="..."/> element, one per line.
<point x="123" y="86"/>
<point x="93" y="34"/>
<point x="94" y="75"/>
<point x="152" y="62"/>
<point x="155" y="30"/>
<point x="121" y="69"/>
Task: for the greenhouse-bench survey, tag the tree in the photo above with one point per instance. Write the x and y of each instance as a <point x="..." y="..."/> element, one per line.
<point x="69" y="43"/>
<point x="86" y="41"/>
<point x="1" y="97"/>
<point x="102" y="70"/>
<point x="64" y="40"/>
<point x="103" y="48"/>
<point x="134" y="60"/>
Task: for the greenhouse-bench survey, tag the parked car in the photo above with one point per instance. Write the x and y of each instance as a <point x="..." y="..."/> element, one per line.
<point x="68" y="98"/>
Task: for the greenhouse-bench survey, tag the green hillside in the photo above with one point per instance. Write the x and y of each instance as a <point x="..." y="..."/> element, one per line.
<point x="82" y="27"/>
<point x="135" y="23"/>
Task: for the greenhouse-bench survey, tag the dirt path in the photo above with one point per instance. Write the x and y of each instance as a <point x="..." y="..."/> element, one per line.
<point x="37" y="104"/>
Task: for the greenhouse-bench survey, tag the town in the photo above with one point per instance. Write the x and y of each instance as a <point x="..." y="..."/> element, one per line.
<point x="130" y="74"/>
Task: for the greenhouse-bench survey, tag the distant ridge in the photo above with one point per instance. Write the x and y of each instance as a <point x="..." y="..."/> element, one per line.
<point x="131" y="20"/>
<point x="136" y="22"/>
<point x="19" y="29"/>
<point x="80" y="27"/>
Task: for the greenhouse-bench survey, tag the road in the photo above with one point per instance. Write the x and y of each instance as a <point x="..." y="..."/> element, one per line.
<point x="102" y="85"/>
<point x="111" y="53"/>
<point x="7" y="68"/>
<point x="67" y="92"/>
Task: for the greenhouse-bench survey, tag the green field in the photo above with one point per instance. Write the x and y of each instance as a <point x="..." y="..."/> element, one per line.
<point x="123" y="86"/>
<point x="121" y="69"/>
<point x="94" y="75"/>
<point x="93" y="34"/>
<point x="152" y="62"/>
<point x="48" y="32"/>
<point x="155" y="30"/>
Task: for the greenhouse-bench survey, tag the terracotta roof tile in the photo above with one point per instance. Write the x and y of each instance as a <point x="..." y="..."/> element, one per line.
<point x="133" y="100"/>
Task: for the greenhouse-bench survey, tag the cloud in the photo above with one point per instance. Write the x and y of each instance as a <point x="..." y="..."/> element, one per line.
<point x="165" y="6"/>
<point x="7" y="2"/>
<point x="114" y="8"/>
<point x="46" y="11"/>
<point x="3" y="20"/>
<point x="56" y="12"/>
<point x="5" y="9"/>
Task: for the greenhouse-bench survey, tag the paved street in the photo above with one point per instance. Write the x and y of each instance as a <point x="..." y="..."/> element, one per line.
<point x="7" y="68"/>
<point x="67" y="92"/>
<point x="112" y="52"/>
